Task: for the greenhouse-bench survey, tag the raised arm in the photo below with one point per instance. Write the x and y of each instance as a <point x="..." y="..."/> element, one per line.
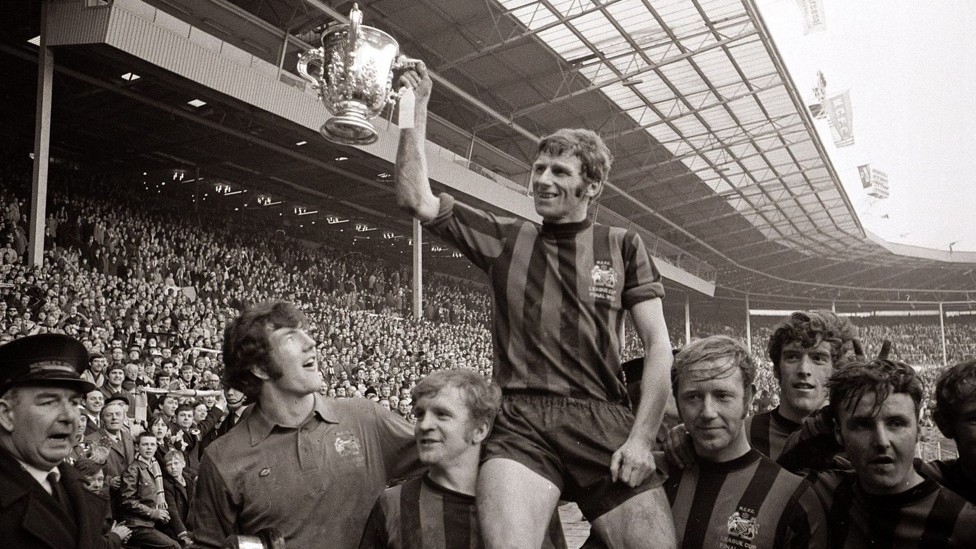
<point x="411" y="182"/>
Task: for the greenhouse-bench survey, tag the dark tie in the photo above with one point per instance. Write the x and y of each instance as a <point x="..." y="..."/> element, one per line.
<point x="57" y="491"/>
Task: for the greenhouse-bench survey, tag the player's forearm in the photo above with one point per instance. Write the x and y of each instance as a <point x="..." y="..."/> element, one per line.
<point x="411" y="183"/>
<point x="655" y="388"/>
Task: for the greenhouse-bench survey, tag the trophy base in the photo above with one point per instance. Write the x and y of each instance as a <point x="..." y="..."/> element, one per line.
<point x="350" y="129"/>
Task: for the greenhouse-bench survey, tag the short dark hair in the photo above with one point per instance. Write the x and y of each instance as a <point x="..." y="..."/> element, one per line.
<point x="810" y="328"/>
<point x="956" y="385"/>
<point x="881" y="377"/>
<point x="594" y="156"/>
<point x="246" y="342"/>
<point x="87" y="467"/>
<point x="185" y="408"/>
<point x="482" y="398"/>
<point x="713" y="348"/>
<point x="144" y="434"/>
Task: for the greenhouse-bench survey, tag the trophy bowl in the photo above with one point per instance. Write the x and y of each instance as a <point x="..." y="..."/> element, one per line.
<point x="353" y="75"/>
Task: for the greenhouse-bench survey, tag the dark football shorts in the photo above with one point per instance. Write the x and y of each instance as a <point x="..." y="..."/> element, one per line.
<point x="569" y="442"/>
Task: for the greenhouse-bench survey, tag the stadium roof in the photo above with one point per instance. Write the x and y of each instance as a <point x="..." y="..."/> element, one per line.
<point x="717" y="161"/>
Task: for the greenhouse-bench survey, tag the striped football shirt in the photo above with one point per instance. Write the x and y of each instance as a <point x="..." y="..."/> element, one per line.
<point x="768" y="431"/>
<point x="421" y="514"/>
<point x="748" y="502"/>
<point x="951" y="475"/>
<point x="559" y="293"/>
<point x="927" y="515"/>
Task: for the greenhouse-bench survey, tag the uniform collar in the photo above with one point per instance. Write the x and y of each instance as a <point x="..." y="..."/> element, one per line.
<point x="565" y="230"/>
<point x="260" y="426"/>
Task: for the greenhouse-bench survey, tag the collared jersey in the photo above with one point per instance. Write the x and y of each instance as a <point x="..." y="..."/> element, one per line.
<point x="559" y="293"/>
<point x="421" y="514"/>
<point x="315" y="483"/>
<point x="927" y="515"/>
<point x="768" y="431"/>
<point x="749" y="502"/>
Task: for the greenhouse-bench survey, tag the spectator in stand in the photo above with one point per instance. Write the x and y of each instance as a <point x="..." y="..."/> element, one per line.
<point x="92" y="405"/>
<point x="113" y="436"/>
<point x="96" y="367"/>
<point x="114" y="377"/>
<point x="179" y="487"/>
<point x="114" y="534"/>
<point x="292" y="433"/>
<point x="143" y="498"/>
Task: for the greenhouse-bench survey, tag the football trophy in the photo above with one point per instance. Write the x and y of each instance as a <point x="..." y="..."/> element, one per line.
<point x="353" y="74"/>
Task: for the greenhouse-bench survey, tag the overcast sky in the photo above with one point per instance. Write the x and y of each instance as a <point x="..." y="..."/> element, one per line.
<point x="911" y="68"/>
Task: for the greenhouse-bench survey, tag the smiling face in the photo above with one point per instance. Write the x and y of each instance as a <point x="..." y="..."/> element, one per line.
<point x="803" y="376"/>
<point x="713" y="403"/>
<point x="560" y="193"/>
<point x="444" y="430"/>
<point x="39" y="424"/>
<point x="113" y="417"/>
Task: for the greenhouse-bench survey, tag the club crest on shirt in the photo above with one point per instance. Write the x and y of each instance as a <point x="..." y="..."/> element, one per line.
<point x="346" y="444"/>
<point x="603" y="281"/>
<point x="743" y="528"/>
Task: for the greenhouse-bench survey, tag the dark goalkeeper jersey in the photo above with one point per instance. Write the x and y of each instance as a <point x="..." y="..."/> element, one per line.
<point x="559" y="294"/>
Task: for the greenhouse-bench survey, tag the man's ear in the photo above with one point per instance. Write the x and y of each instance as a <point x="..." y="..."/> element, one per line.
<point x="260" y="372"/>
<point x="6" y="415"/>
<point x="480" y="433"/>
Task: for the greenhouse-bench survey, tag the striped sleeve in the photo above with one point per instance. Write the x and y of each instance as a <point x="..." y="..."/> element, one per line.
<point x="375" y="536"/>
<point x="642" y="280"/>
<point x="476" y="233"/>
<point x="805" y="525"/>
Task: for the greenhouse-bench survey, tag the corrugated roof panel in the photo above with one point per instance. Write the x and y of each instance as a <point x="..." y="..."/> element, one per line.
<point x="533" y="16"/>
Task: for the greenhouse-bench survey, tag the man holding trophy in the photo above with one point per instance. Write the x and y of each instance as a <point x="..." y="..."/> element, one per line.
<point x="565" y="430"/>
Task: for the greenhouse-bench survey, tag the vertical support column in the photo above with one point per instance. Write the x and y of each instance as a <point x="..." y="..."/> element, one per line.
<point x="42" y="146"/>
<point x="748" y="326"/>
<point x="418" y="274"/>
<point x="945" y="355"/>
<point x="687" y="318"/>
<point x="833" y="306"/>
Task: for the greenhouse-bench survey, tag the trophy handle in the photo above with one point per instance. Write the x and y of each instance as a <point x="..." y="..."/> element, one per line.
<point x="312" y="57"/>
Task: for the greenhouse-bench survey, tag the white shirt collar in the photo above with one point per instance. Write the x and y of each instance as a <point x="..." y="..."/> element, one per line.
<point x="40" y="475"/>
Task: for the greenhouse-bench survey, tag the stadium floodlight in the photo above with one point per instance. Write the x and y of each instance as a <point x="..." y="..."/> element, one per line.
<point x="36" y="40"/>
<point x="130" y="77"/>
<point x="384" y="175"/>
<point x="300" y="143"/>
<point x="333" y="220"/>
<point x="342" y="158"/>
<point x="196" y="103"/>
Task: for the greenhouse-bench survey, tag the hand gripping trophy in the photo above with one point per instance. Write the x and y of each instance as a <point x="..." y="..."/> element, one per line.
<point x="353" y="74"/>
